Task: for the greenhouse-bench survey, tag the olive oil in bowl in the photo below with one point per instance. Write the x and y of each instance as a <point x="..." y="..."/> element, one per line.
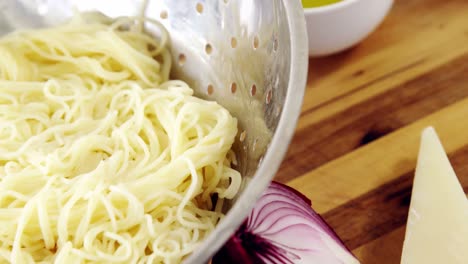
<point x="317" y="3"/>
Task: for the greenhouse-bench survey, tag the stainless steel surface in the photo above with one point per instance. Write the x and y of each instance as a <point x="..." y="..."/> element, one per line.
<point x="250" y="56"/>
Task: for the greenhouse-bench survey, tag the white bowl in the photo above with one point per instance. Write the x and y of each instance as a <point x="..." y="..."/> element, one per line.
<point x="336" y="27"/>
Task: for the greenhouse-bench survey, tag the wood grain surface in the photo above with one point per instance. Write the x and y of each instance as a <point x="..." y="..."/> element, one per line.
<point x="356" y="144"/>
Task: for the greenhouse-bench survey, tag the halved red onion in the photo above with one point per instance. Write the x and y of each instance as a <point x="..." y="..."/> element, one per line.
<point x="284" y="229"/>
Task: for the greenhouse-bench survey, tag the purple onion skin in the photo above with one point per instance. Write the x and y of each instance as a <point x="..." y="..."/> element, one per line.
<point x="251" y="245"/>
<point x="247" y="248"/>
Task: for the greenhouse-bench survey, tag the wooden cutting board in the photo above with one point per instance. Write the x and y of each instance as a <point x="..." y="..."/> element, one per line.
<point x="355" y="148"/>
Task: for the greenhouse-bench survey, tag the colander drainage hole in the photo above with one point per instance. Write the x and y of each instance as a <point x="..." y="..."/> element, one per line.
<point x="163" y="14"/>
<point x="208" y="48"/>
<point x="210" y="89"/>
<point x="233" y="42"/>
<point x="233" y="87"/>
<point x="254" y="146"/>
<point x="242" y="136"/>
<point x="256" y="42"/>
<point x="199" y="8"/>
<point x="182" y="59"/>
<point x="253" y="90"/>
<point x="268" y="97"/>
<point x="275" y="44"/>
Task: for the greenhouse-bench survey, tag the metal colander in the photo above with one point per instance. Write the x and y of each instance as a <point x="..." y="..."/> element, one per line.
<point x="248" y="55"/>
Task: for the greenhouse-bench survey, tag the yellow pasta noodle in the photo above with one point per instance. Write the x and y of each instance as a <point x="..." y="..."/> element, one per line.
<point x="103" y="159"/>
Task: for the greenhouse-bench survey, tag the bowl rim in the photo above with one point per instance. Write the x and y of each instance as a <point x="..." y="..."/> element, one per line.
<point x="279" y="144"/>
<point x="328" y="8"/>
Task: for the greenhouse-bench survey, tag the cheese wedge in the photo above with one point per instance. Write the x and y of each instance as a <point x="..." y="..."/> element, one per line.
<point x="437" y="227"/>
